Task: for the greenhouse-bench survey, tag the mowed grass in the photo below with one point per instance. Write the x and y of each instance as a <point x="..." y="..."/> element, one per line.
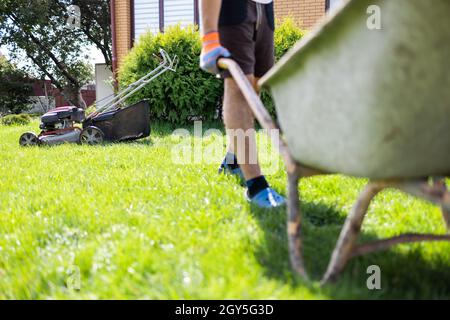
<point x="138" y="226"/>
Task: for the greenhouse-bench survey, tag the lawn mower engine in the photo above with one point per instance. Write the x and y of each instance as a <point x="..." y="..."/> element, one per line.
<point x="58" y="126"/>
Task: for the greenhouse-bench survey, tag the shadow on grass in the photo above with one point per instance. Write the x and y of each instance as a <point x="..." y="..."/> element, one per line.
<point x="164" y="129"/>
<point x="403" y="276"/>
<point x="141" y="142"/>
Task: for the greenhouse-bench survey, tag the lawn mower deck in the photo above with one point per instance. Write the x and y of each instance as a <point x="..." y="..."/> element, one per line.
<point x="121" y="124"/>
<point x="112" y="121"/>
<point x="60" y="126"/>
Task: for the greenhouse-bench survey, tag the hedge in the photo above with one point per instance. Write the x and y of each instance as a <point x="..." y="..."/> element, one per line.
<point x="15" y="120"/>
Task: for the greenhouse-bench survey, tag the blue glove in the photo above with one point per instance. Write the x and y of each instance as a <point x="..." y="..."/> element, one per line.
<point x="211" y="52"/>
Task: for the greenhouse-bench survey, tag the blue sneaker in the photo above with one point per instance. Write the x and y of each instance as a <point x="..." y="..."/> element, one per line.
<point x="226" y="169"/>
<point x="267" y="198"/>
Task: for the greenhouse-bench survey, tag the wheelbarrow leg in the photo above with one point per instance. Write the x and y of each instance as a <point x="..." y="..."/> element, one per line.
<point x="350" y="232"/>
<point x="443" y="198"/>
<point x="435" y="192"/>
<point x="294" y="224"/>
<point x="445" y="206"/>
<point x="446" y="216"/>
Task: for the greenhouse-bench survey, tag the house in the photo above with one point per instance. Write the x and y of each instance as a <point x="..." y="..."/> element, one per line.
<point x="131" y="18"/>
<point x="46" y="96"/>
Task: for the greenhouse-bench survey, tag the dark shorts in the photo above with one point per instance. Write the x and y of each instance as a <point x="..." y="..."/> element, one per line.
<point x="251" y="42"/>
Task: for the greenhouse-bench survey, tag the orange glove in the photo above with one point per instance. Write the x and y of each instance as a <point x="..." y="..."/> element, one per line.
<point x="211" y="52"/>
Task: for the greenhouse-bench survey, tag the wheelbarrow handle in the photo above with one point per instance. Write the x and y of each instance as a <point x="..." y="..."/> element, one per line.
<point x="257" y="107"/>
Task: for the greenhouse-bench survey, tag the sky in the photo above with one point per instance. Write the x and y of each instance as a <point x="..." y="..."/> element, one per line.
<point x="95" y="55"/>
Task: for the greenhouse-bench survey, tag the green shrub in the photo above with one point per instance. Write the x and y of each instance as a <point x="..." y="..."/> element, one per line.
<point x="15" y="120"/>
<point x="287" y="34"/>
<point x="190" y="92"/>
<point x="174" y="97"/>
<point x="15" y="88"/>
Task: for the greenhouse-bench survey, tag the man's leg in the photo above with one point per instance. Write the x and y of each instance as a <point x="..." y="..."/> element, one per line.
<point x="239" y="120"/>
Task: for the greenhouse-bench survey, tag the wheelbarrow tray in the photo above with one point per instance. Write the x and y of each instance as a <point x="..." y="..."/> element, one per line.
<point x="370" y="103"/>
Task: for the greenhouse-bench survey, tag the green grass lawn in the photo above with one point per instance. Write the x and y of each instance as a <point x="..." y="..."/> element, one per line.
<point x="138" y="226"/>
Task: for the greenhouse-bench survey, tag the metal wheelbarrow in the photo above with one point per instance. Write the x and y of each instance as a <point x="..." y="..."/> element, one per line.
<point x="364" y="102"/>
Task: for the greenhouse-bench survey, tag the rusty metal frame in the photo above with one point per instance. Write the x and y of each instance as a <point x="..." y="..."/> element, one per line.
<point x="432" y="189"/>
<point x="346" y="248"/>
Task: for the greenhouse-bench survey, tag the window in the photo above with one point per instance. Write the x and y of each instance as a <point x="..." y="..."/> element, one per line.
<point x="146" y="17"/>
<point x="332" y="4"/>
<point x="155" y="15"/>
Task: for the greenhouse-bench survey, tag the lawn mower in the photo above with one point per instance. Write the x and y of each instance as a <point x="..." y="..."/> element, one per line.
<point x="111" y="120"/>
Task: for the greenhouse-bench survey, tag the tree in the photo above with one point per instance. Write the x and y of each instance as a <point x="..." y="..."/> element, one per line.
<point x="37" y="29"/>
<point x="15" y="88"/>
<point x="96" y="25"/>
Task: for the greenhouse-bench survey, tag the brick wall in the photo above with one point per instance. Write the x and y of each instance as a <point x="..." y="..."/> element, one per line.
<point x="123" y="29"/>
<point x="307" y="12"/>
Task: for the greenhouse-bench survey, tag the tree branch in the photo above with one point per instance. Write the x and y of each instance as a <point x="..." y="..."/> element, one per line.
<point x="58" y="63"/>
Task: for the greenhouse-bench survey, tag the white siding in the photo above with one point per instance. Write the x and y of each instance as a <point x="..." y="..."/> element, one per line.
<point x="146" y="14"/>
<point x="146" y="17"/>
<point x="335" y="3"/>
<point x="103" y="77"/>
<point x="178" y="11"/>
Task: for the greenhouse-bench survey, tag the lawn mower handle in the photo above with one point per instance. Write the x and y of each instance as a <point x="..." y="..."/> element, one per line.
<point x="257" y="107"/>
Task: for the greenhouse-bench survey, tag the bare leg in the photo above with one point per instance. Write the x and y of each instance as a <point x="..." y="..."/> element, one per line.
<point x="239" y="122"/>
